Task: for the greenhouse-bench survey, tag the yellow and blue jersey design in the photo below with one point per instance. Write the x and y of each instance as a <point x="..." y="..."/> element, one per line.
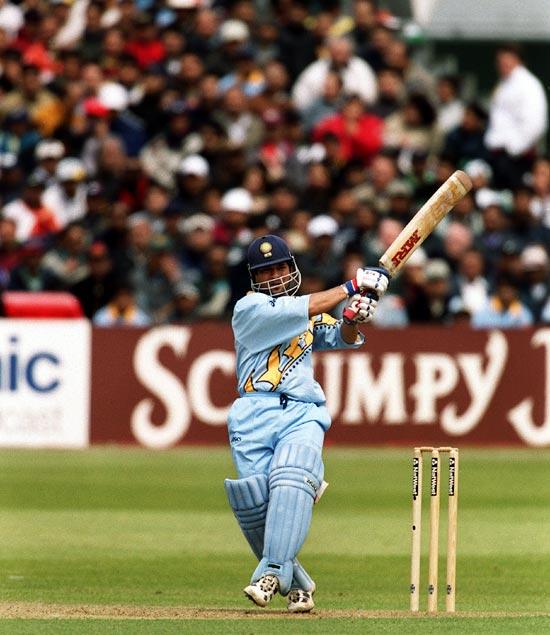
<point x="274" y="339"/>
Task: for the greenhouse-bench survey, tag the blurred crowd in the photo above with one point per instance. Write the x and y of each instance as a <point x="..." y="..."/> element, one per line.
<point x="145" y="143"/>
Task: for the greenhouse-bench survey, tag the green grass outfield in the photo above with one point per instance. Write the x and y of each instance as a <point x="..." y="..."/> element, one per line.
<point x="117" y="540"/>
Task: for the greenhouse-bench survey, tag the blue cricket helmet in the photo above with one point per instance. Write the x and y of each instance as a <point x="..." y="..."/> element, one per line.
<point x="270" y="250"/>
<point x="267" y="250"/>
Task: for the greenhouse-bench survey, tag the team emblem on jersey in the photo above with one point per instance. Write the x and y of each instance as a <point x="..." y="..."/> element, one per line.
<point x="266" y="249"/>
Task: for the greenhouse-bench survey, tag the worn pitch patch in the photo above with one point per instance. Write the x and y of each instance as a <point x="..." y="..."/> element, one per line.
<point x="39" y="610"/>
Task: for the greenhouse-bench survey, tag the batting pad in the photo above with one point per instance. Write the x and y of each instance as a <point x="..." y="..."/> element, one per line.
<point x="296" y="474"/>
<point x="248" y="498"/>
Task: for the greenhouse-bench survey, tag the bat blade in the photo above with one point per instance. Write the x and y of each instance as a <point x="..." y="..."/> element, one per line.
<point x="425" y="221"/>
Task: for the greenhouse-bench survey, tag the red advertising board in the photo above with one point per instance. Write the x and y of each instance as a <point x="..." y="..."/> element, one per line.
<point x="173" y="385"/>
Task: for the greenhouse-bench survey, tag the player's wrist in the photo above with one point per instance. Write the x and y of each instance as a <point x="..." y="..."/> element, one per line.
<point x="351" y="287"/>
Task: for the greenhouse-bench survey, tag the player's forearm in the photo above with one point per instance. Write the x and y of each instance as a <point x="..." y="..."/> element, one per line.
<point x="324" y="301"/>
<point x="349" y="332"/>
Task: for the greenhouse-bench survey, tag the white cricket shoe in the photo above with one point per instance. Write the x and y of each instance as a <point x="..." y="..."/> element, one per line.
<point x="300" y="601"/>
<point x="263" y="590"/>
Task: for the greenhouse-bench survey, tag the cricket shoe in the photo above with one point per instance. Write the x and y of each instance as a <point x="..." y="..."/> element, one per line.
<point x="300" y="601"/>
<point x="263" y="590"/>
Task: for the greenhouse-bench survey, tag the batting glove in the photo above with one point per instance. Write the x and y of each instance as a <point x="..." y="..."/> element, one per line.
<point x="360" y="309"/>
<point x="367" y="281"/>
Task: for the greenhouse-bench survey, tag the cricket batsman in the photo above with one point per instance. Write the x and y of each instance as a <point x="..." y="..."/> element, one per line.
<point x="277" y="424"/>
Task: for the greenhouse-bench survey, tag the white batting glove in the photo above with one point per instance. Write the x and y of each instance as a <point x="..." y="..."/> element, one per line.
<point x="360" y="309"/>
<point x="372" y="280"/>
<point x="367" y="281"/>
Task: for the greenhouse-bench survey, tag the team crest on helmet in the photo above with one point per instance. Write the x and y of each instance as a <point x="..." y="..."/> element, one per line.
<point x="266" y="249"/>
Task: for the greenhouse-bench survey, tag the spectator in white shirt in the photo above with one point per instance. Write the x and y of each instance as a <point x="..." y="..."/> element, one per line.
<point x="450" y="109"/>
<point x="67" y="197"/>
<point x="357" y="76"/>
<point x="518" y="119"/>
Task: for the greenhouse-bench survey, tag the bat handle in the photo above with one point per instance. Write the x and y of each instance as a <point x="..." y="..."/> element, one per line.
<point x="384" y="272"/>
<point x="369" y="294"/>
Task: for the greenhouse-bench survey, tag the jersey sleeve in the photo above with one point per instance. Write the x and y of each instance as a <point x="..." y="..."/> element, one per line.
<point x="260" y="321"/>
<point x="327" y="334"/>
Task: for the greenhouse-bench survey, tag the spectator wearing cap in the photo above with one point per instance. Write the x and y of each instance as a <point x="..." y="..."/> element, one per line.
<point x="233" y="37"/>
<point x="68" y="259"/>
<point x="98" y="287"/>
<point x="30" y="274"/>
<point x="47" y="154"/>
<point x="185" y="303"/>
<point x="504" y="309"/>
<point x="162" y="156"/>
<point x="44" y="109"/>
<point x="465" y="142"/>
<point x="358" y="132"/>
<point x="122" y="123"/>
<point x="431" y="305"/>
<point x="192" y="180"/>
<point x="31" y="216"/>
<point x="518" y="118"/>
<point x="122" y="310"/>
<point x="231" y="228"/>
<point x="197" y="239"/>
<point x="357" y="76"/>
<point x="320" y="259"/>
<point x="67" y="196"/>
<point x="535" y="280"/>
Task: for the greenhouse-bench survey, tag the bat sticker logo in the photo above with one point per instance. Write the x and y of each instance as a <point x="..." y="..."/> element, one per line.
<point x="406" y="247"/>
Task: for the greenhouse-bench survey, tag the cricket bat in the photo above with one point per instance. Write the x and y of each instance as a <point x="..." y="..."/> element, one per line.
<point x="422" y="225"/>
<point x="425" y="221"/>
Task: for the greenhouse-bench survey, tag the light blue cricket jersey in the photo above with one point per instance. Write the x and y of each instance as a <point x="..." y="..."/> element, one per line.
<point x="274" y="339"/>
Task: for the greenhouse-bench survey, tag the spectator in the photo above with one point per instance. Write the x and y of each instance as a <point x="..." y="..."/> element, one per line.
<point x="357" y="76"/>
<point x="358" y="132"/>
<point x="391" y="93"/>
<point x="122" y="310"/>
<point x="296" y="42"/>
<point x="327" y="104"/>
<point x="48" y="153"/>
<point x="535" y="288"/>
<point x="450" y="109"/>
<point x="470" y="285"/>
<point x="68" y="259"/>
<point x="466" y="141"/>
<point x="30" y="274"/>
<point x="431" y="304"/>
<point x="412" y="128"/>
<point x="98" y="287"/>
<point x="518" y="118"/>
<point x="67" y="196"/>
<point x="9" y="250"/>
<point x="185" y="303"/>
<point x="31" y="217"/>
<point x="540" y="203"/>
<point x="215" y="291"/>
<point x="11" y="178"/>
<point x="504" y="309"/>
<point x="320" y="259"/>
